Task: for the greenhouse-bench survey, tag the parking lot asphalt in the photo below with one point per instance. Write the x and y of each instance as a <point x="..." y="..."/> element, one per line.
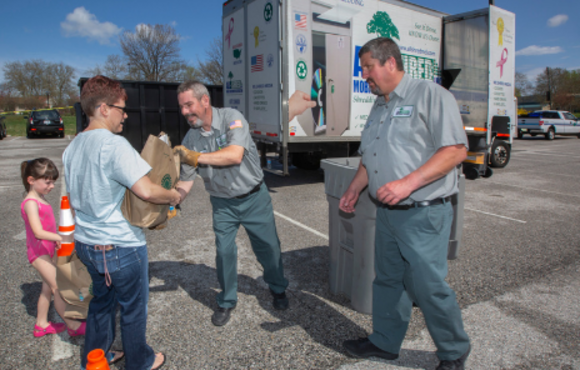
<point x="517" y="277"/>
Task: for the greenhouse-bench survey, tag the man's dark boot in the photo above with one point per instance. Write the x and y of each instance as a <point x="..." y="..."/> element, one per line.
<point x="364" y="348"/>
<point x="280" y="301"/>
<point x="221" y="316"/>
<point x="458" y="364"/>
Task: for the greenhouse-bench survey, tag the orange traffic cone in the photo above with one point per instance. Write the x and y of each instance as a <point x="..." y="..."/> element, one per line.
<point x="96" y="360"/>
<point x="66" y="228"/>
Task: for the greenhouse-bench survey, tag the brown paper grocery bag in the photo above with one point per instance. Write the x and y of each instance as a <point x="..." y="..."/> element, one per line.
<point x="75" y="286"/>
<point x="164" y="172"/>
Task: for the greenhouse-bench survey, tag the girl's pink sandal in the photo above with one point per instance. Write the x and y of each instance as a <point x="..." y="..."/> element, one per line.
<point x="52" y="328"/>
<point x="80" y="331"/>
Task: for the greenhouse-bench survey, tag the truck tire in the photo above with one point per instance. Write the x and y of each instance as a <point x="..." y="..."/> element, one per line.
<point x="500" y="154"/>
<point x="551" y="134"/>
<point x="307" y="161"/>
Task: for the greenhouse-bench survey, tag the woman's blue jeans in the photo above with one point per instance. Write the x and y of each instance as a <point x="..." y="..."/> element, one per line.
<point x="129" y="271"/>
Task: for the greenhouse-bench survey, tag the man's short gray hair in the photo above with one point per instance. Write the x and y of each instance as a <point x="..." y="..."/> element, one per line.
<point x="196" y="87"/>
<point x="382" y="48"/>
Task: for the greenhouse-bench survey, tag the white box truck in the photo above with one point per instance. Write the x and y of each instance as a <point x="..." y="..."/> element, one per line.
<point x="273" y="48"/>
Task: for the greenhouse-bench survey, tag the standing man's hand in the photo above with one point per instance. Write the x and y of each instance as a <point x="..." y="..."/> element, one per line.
<point x="395" y="191"/>
<point x="348" y="201"/>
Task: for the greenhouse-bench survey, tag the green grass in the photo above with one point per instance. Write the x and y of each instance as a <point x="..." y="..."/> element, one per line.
<point x="16" y="125"/>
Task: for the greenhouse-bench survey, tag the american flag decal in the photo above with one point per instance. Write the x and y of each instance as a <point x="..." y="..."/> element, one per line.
<point x="300" y="21"/>
<point x="257" y="63"/>
<point x="235" y="124"/>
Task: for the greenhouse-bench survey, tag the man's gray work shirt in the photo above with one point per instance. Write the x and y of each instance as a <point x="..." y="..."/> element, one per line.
<point x="402" y="134"/>
<point x="229" y="127"/>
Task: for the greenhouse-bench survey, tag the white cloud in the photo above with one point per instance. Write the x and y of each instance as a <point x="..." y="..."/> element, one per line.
<point x="532" y="74"/>
<point x="557" y="20"/>
<point x="539" y="50"/>
<point x="81" y="23"/>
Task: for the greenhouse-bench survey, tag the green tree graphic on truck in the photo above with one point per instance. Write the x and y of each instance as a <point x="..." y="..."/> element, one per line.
<point x="383" y="26"/>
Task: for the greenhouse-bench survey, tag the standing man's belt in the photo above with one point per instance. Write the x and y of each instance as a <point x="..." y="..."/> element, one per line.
<point x="254" y="190"/>
<point x="425" y="203"/>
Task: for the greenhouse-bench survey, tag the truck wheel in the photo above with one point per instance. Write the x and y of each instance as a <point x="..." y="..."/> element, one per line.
<point x="551" y="134"/>
<point x="306" y="161"/>
<point x="500" y="154"/>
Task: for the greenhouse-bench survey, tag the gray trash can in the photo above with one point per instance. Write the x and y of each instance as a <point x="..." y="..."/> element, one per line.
<point x="352" y="236"/>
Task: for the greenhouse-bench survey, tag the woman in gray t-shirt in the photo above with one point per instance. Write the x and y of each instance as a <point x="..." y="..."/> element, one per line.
<point x="99" y="167"/>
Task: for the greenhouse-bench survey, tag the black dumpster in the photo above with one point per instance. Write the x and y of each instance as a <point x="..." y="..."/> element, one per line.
<point x="152" y="107"/>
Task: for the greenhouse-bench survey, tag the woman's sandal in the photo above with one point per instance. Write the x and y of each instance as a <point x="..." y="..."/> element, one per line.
<point x="52" y="328"/>
<point x="162" y="363"/>
<point x="115" y="356"/>
<point x="79" y="331"/>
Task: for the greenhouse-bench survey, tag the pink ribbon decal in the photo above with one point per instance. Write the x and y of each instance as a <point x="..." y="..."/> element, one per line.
<point x="230" y="31"/>
<point x="502" y="61"/>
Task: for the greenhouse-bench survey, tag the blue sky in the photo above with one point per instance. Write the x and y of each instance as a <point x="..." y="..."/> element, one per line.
<point x="82" y="34"/>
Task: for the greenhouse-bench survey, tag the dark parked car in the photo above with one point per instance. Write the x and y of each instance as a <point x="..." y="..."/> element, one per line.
<point x="2" y="128"/>
<point x="44" y="122"/>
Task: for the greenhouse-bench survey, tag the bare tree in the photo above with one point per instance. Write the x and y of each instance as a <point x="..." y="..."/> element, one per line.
<point x="212" y="70"/>
<point x="95" y="71"/>
<point x="36" y="78"/>
<point x="152" y="52"/>
<point x="523" y="85"/>
<point x="563" y="85"/>
<point x="115" y="67"/>
<point x="59" y="83"/>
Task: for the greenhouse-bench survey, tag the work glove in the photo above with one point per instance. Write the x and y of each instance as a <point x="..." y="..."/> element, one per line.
<point x="187" y="156"/>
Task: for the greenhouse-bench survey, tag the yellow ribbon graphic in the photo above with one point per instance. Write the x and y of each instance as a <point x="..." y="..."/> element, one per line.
<point x="500" y="27"/>
<point x="256" y="34"/>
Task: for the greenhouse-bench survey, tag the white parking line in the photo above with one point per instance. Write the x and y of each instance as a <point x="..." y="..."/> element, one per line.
<point x="539" y="152"/>
<point x="493" y="214"/>
<point x="301" y="225"/>
<point x="528" y="188"/>
<point x="550" y="173"/>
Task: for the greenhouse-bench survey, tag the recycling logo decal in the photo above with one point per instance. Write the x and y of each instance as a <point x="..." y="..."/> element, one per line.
<point x="301" y="69"/>
<point x="268" y="12"/>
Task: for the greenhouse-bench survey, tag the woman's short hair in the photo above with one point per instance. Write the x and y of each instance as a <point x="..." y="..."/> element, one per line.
<point x="99" y="90"/>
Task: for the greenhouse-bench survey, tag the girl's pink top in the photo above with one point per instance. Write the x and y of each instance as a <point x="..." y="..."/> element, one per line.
<point x="38" y="247"/>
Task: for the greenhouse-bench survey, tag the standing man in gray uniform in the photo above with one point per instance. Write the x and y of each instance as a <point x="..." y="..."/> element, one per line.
<point x="411" y="146"/>
<point x="219" y="147"/>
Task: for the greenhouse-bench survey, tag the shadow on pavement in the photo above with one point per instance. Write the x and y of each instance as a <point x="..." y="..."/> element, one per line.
<point x="30" y="294"/>
<point x="308" y="309"/>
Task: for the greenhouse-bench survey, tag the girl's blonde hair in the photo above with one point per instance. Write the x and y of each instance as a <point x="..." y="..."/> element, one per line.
<point x="39" y="168"/>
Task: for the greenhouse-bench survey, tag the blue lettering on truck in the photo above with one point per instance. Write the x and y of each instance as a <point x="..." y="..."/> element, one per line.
<point x="359" y="86"/>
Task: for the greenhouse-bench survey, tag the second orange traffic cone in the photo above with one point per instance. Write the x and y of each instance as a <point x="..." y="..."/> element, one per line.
<point x="66" y="228"/>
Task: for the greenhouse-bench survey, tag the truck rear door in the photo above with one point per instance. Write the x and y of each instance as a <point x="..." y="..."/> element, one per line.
<point x="252" y="71"/>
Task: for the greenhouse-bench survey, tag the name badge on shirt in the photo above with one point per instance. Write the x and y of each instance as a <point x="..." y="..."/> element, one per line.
<point x="221" y="141"/>
<point x="404" y="111"/>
